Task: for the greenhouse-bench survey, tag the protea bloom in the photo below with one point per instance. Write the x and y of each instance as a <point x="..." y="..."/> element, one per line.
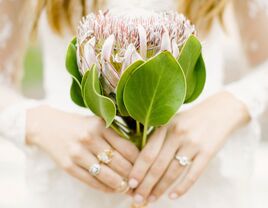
<point x="135" y="69"/>
<point x="115" y="41"/>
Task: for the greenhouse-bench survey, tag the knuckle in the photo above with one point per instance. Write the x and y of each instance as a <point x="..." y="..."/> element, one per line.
<point x="160" y="189"/>
<point x="179" y="129"/>
<point x="147" y="158"/>
<point x="68" y="166"/>
<point x="169" y="177"/>
<point x="88" y="139"/>
<point x="207" y="152"/>
<point x="130" y="154"/>
<point x="191" y="141"/>
<point x="75" y="152"/>
<point x="192" y="179"/>
<point x="156" y="171"/>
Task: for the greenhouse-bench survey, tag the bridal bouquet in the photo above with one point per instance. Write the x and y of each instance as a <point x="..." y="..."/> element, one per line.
<point x="135" y="70"/>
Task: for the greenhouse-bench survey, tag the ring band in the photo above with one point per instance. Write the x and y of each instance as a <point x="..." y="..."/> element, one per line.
<point x="95" y="169"/>
<point x="183" y="160"/>
<point x="105" y="156"/>
<point x="123" y="188"/>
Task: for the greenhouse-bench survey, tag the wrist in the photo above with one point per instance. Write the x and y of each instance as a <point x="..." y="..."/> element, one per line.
<point x="237" y="111"/>
<point x="34" y="117"/>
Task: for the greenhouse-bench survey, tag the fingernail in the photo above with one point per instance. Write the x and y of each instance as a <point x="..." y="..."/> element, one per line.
<point x="151" y="198"/>
<point x="133" y="183"/>
<point x="173" y="196"/>
<point x="138" y="199"/>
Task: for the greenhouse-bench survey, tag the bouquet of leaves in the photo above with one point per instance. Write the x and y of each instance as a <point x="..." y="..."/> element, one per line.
<point x="135" y="70"/>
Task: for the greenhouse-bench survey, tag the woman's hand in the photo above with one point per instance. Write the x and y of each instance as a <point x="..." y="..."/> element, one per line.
<point x="196" y="134"/>
<point x="74" y="141"/>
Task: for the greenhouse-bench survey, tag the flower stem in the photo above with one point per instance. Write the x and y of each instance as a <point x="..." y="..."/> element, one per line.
<point x="120" y="133"/>
<point x="144" y="136"/>
<point x="138" y="128"/>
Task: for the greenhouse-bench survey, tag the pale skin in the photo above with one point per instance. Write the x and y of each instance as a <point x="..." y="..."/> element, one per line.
<point x="199" y="134"/>
<point x="74" y="141"/>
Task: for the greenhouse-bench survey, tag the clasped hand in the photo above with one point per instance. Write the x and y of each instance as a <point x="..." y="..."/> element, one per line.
<point x="194" y="136"/>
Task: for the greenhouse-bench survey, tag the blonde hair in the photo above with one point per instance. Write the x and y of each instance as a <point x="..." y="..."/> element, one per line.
<point x="61" y="14"/>
<point x="203" y="12"/>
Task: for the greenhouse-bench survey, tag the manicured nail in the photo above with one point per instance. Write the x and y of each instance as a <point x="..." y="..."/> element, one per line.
<point x="138" y="199"/>
<point x="173" y="196"/>
<point x="133" y="183"/>
<point x="151" y="198"/>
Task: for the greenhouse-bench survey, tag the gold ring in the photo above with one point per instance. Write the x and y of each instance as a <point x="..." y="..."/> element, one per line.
<point x="106" y="156"/>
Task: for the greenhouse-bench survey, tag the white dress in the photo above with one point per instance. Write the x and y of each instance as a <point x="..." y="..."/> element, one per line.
<point x="224" y="183"/>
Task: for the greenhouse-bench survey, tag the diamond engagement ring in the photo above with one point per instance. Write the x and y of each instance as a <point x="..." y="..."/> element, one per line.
<point x="183" y="160"/>
<point x="105" y="156"/>
<point x="95" y="169"/>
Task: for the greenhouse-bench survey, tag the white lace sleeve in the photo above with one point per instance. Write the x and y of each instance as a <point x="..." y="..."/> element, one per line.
<point x="253" y="90"/>
<point x="252" y="16"/>
<point x="15" y="22"/>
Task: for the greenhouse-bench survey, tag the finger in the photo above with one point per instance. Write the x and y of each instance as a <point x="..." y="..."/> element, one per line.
<point x="107" y="176"/>
<point x="174" y="171"/>
<point x="159" y="167"/>
<point x="147" y="157"/>
<point x="86" y="178"/>
<point x="127" y="149"/>
<point x="194" y="172"/>
<point x="118" y="163"/>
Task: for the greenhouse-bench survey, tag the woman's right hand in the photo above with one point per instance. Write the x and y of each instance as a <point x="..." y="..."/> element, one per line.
<point x="74" y="141"/>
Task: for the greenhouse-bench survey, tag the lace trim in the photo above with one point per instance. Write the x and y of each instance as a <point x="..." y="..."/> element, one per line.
<point x="13" y="122"/>
<point x="253" y="90"/>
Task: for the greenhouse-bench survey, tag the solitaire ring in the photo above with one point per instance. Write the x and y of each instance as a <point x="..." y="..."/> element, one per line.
<point x="95" y="169"/>
<point x="105" y="156"/>
<point x="183" y="160"/>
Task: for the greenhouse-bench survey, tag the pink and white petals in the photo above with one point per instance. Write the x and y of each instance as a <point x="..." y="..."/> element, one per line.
<point x="107" y="48"/>
<point x="108" y="71"/>
<point x="166" y="43"/>
<point x="89" y="53"/>
<point x="143" y="41"/>
<point x="175" y="48"/>
<point x="131" y="55"/>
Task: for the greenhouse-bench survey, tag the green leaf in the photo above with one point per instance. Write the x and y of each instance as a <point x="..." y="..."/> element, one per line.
<point x="156" y="90"/>
<point x="200" y="72"/>
<point x="188" y="59"/>
<point x="100" y="105"/>
<point x="71" y="62"/>
<point x="121" y="86"/>
<point x="76" y="94"/>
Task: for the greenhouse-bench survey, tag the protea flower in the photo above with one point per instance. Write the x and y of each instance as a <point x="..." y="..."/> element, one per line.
<point x="115" y="41"/>
<point x="135" y="69"/>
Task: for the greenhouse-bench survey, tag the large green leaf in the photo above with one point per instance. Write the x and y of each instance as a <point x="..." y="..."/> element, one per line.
<point x="76" y="94"/>
<point x="121" y="85"/>
<point x="100" y="105"/>
<point x="194" y="73"/>
<point x="156" y="90"/>
<point x="71" y="62"/>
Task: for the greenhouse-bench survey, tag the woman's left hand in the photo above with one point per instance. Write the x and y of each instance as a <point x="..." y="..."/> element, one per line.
<point x="196" y="134"/>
